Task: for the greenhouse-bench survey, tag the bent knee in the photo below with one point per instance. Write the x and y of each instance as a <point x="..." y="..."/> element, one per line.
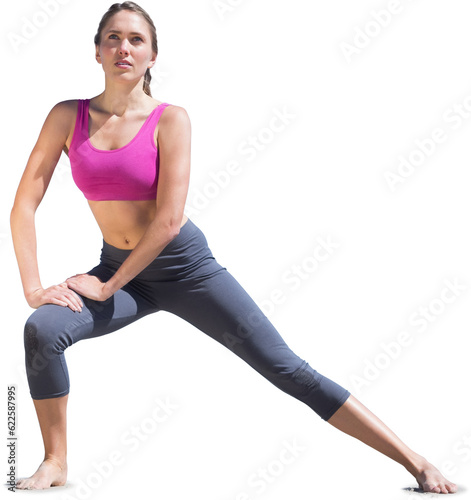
<point x="46" y="329"/>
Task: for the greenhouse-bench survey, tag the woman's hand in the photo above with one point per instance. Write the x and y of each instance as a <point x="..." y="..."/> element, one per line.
<point x="60" y="295"/>
<point x="88" y="286"/>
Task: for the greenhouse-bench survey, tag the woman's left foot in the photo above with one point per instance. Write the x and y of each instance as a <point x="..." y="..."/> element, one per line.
<point x="431" y="480"/>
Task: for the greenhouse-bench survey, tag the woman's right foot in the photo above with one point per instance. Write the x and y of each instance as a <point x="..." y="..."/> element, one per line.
<point x="51" y="472"/>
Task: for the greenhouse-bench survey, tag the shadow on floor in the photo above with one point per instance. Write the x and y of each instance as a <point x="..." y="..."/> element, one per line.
<point x="419" y="491"/>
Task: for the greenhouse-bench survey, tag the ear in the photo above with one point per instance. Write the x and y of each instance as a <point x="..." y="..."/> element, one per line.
<point x="152" y="61"/>
<point x="97" y="54"/>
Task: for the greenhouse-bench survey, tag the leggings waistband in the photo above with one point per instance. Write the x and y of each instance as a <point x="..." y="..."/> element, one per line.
<point x="121" y="254"/>
<point x="187" y="256"/>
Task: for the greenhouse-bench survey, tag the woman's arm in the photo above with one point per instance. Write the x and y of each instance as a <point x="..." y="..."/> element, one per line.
<point x="31" y="190"/>
<point x="174" y="143"/>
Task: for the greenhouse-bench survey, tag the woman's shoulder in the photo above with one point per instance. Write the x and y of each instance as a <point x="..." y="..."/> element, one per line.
<point x="170" y="107"/>
<point x="174" y="115"/>
<point x="62" y="115"/>
<point x="68" y="106"/>
<point x="64" y="110"/>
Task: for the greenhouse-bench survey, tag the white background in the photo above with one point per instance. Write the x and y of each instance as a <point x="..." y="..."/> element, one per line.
<point x="322" y="176"/>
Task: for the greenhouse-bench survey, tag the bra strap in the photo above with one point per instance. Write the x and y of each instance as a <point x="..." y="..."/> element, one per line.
<point x="149" y="127"/>
<point x="79" y="133"/>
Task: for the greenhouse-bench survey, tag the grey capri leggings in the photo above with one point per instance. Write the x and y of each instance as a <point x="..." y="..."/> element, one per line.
<point x="185" y="280"/>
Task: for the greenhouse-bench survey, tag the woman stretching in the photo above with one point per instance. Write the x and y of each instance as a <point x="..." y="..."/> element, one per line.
<point x="130" y="156"/>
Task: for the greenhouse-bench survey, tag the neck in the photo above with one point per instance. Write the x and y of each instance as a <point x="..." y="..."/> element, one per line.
<point x="116" y="99"/>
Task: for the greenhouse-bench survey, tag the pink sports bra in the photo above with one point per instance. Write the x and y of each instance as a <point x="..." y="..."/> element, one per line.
<point x="126" y="173"/>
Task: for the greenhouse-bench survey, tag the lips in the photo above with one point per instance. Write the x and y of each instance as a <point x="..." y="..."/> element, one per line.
<point x="122" y="63"/>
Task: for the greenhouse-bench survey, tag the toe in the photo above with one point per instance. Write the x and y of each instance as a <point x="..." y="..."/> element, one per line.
<point x="22" y="484"/>
<point x="442" y="488"/>
<point x="452" y="488"/>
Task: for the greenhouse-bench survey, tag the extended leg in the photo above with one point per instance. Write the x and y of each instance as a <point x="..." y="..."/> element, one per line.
<point x="355" y="419"/>
<point x="222" y="309"/>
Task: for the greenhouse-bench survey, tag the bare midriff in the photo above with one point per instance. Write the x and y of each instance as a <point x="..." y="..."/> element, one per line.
<point x="123" y="223"/>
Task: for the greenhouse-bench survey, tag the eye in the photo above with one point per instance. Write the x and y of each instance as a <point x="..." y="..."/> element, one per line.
<point x="138" y="39"/>
<point x="113" y="35"/>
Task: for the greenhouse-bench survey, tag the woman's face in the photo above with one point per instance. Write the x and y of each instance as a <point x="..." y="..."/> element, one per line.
<point x="125" y="51"/>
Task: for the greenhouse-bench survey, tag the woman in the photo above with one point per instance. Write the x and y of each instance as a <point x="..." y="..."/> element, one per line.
<point x="130" y="156"/>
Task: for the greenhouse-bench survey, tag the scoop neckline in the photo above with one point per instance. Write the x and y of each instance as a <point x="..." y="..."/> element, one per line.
<point x="87" y="111"/>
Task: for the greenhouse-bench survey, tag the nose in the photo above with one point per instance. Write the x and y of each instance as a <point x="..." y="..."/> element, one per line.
<point x="124" y="48"/>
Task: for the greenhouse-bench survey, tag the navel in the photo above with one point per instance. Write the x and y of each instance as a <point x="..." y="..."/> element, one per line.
<point x="126" y="241"/>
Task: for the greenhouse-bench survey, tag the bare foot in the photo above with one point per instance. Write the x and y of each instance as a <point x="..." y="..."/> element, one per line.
<point x="430" y="479"/>
<point x="51" y="472"/>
